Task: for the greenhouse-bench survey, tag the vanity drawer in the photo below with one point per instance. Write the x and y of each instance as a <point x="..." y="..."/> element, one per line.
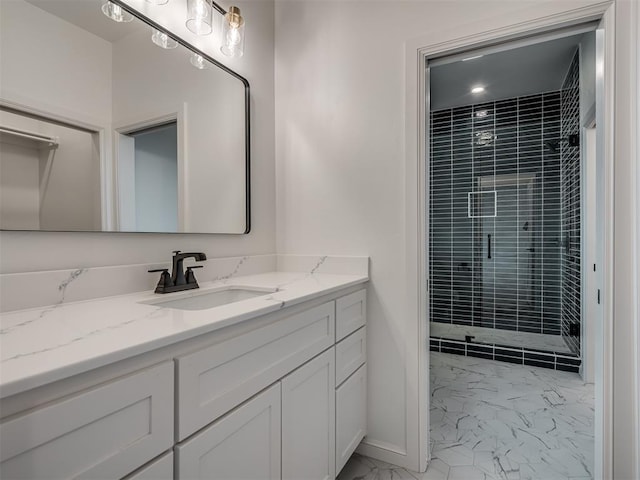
<point x="351" y="313"/>
<point x="105" y="432"/>
<point x="350" y="354"/>
<point x="214" y="380"/>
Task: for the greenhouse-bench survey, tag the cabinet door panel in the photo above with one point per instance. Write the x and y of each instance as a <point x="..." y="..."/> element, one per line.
<point x="214" y="380"/>
<point x="105" y="432"/>
<point x="243" y="445"/>
<point x="351" y="415"/>
<point x="308" y="420"/>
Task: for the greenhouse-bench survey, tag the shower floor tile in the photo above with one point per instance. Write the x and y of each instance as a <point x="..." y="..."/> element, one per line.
<point x="538" y="341"/>
<point x="497" y="421"/>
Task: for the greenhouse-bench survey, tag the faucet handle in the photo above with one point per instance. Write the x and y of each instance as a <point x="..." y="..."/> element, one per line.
<point x="191" y="278"/>
<point x="165" y="279"/>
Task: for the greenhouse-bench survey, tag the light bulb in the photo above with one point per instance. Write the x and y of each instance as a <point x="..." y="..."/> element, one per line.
<point x="233" y="37"/>
<point x="199" y="19"/>
<point x="163" y="40"/>
<point x="233" y="33"/>
<point x="198" y="62"/>
<point x="116" y="13"/>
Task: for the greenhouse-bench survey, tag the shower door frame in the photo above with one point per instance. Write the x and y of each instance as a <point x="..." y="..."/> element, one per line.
<point x="418" y="53"/>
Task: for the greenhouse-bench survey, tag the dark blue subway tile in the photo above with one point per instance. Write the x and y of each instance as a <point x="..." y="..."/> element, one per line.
<point x="502" y="358"/>
<point x="567" y="368"/>
<point x="536" y="363"/>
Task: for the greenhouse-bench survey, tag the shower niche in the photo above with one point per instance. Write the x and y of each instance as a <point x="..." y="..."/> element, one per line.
<point x="504" y="204"/>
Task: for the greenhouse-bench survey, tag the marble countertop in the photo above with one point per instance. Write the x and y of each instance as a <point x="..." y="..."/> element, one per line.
<point x="43" y="345"/>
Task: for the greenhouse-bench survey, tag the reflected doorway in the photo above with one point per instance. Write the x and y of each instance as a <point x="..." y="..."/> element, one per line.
<point x="148" y="179"/>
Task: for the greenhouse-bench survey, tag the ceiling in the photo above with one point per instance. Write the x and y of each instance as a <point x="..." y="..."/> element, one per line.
<point x="87" y="15"/>
<point x="516" y="72"/>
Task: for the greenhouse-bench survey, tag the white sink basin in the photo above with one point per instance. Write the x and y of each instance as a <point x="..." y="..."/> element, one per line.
<point x="202" y="300"/>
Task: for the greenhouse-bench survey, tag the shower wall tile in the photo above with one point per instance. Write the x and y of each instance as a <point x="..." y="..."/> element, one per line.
<point x="497" y="146"/>
<point x="509" y="354"/>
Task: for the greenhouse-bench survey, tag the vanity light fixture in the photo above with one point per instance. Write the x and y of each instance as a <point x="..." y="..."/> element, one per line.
<point x="163" y="40"/>
<point x="233" y="33"/>
<point x="199" y="21"/>
<point x="198" y="61"/>
<point x="477" y="90"/>
<point x="116" y="12"/>
<point x="199" y="17"/>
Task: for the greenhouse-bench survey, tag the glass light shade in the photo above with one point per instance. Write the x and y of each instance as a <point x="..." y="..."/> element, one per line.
<point x="163" y="40"/>
<point x="199" y="17"/>
<point x="158" y="2"/>
<point x="198" y="61"/>
<point x="116" y="12"/>
<point x="233" y="33"/>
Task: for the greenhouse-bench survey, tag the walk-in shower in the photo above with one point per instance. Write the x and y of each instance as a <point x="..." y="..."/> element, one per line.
<point x="505" y="219"/>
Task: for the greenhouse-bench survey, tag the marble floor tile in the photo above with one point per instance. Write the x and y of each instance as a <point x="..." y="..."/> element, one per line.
<point x="468" y="473"/>
<point x="497" y="421"/>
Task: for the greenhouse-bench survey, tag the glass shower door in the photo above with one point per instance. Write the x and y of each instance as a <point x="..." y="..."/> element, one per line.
<point x="505" y="250"/>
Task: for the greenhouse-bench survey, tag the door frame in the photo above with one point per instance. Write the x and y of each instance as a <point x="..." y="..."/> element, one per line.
<point x="83" y="122"/>
<point x="418" y="51"/>
<point x="179" y="116"/>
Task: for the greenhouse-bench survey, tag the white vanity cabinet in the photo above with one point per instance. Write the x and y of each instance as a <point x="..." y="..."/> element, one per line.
<point x="351" y="415"/>
<point x="214" y="380"/>
<point x="243" y="445"/>
<point x="159" y="469"/>
<point x="104" y="432"/>
<point x="284" y="432"/>
<point x="351" y="375"/>
<point x="283" y="397"/>
<point x="308" y="420"/>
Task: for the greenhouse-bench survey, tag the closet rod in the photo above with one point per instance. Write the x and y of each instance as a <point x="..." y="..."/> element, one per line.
<point x="51" y="141"/>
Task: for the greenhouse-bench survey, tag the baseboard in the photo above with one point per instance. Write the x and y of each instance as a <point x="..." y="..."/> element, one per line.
<point x="394" y="457"/>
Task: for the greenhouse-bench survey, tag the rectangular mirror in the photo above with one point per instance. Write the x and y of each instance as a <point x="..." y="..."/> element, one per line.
<point x="103" y="128"/>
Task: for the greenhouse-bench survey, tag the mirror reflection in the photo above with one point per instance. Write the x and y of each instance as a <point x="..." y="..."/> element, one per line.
<point x="109" y="126"/>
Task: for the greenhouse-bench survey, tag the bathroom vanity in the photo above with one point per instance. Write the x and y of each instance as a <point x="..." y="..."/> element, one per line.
<point x="269" y="387"/>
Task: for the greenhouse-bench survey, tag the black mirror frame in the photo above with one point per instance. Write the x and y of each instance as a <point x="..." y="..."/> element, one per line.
<point x="247" y="112"/>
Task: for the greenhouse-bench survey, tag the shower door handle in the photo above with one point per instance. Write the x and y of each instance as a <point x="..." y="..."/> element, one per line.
<point x="489" y="246"/>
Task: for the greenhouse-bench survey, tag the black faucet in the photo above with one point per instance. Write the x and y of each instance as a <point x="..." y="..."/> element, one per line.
<point x="178" y="281"/>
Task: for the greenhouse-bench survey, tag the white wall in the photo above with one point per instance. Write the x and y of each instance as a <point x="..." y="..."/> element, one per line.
<point x="587" y="75"/>
<point x="626" y="318"/>
<point x="38" y="73"/>
<point x="19" y="186"/>
<point x="21" y="252"/>
<point x="340" y="96"/>
<point x="588" y="212"/>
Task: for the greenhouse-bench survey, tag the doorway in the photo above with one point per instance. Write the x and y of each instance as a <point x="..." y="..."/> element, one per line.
<point x="148" y="179"/>
<point x="516" y="270"/>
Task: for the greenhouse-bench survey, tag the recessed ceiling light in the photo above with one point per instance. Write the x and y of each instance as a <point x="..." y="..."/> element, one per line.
<point x="477" y="90"/>
<point x="472" y="58"/>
